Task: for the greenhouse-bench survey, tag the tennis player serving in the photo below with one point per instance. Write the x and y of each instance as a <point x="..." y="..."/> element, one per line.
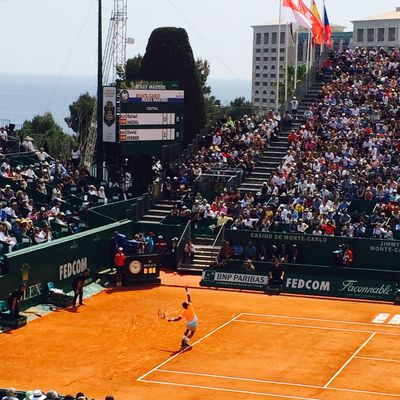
<point x="191" y="320"/>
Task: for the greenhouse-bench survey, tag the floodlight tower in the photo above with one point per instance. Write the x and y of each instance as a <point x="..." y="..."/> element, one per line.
<point x="115" y="49"/>
<point x="112" y="64"/>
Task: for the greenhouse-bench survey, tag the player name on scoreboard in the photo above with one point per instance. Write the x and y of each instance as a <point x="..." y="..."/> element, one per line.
<point x="131" y="135"/>
<point x="147" y="119"/>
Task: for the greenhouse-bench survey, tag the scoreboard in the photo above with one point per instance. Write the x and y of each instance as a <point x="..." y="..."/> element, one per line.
<point x="150" y="116"/>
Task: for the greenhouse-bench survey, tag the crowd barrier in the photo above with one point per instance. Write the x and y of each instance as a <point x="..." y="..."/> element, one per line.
<point x="59" y="261"/>
<point x="309" y="280"/>
<point x="318" y="250"/>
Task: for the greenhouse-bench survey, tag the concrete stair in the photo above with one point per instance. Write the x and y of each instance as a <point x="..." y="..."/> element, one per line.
<point x="159" y="211"/>
<point x="272" y="156"/>
<point x="204" y="256"/>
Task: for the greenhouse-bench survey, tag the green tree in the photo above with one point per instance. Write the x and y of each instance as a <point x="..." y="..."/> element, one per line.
<point x="80" y="118"/>
<point x="48" y="134"/>
<point x="239" y="107"/>
<point x="169" y="57"/>
<point x="212" y="106"/>
<point x="132" y="69"/>
<point x="301" y="74"/>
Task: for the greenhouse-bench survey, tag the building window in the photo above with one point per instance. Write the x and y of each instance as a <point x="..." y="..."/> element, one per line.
<point x="265" y="83"/>
<point x="282" y="37"/>
<point x="273" y="37"/>
<point x="257" y="84"/>
<point x="281" y="58"/>
<point x="257" y="66"/>
<point x="258" y="58"/>
<point x="264" y="92"/>
<point x="258" y="50"/>
<point x="258" y="38"/>
<point x="273" y="50"/>
<point x="265" y="67"/>
<point x="265" y="100"/>
<point x="381" y="34"/>
<point x="391" y="34"/>
<point x="256" y="100"/>
<point x="370" y="35"/>
<point x="360" y="35"/>
<point x="273" y="75"/>
<point x="273" y="58"/>
<point x="257" y="75"/>
<point x="265" y="58"/>
<point x="273" y="67"/>
<point x="266" y="50"/>
<point x="266" y="38"/>
<point x="265" y="75"/>
<point x="282" y="50"/>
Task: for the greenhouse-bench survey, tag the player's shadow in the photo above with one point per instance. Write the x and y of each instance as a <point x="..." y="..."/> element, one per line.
<point x="175" y="352"/>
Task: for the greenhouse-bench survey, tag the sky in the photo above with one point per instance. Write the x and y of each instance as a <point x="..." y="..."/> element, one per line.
<point x="58" y="37"/>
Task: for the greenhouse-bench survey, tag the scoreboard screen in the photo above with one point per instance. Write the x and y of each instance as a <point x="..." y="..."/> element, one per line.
<point x="150" y="113"/>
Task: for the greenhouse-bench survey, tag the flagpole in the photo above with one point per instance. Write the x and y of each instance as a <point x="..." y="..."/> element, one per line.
<point x="296" y="60"/>
<point x="277" y="57"/>
<point x="321" y="54"/>
<point x="286" y="60"/>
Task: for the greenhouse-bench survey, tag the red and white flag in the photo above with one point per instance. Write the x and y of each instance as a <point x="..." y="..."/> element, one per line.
<point x="292" y="14"/>
<point x="317" y="27"/>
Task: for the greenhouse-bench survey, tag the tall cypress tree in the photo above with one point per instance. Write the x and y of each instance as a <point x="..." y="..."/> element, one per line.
<point x="169" y="57"/>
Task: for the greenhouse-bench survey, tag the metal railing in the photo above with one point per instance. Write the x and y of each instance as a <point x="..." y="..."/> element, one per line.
<point x="302" y="88"/>
<point x="186" y="237"/>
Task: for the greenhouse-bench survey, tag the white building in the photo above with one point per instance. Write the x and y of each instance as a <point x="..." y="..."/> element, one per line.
<point x="266" y="52"/>
<point x="378" y="31"/>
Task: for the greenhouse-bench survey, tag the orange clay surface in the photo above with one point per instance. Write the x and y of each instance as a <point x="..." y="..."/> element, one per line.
<point x="251" y="346"/>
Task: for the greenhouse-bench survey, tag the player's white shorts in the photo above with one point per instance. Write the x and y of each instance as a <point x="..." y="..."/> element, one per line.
<point x="193" y="324"/>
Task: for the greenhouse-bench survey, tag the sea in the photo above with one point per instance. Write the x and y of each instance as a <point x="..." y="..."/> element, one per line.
<point x="24" y="96"/>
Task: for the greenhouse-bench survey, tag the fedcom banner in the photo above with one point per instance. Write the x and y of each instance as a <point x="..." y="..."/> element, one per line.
<point x="339" y="287"/>
<point x="239" y="280"/>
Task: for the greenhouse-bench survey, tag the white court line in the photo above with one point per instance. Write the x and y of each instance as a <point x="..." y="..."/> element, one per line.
<point x="230" y="390"/>
<point x="276" y="382"/>
<point x="319" y="320"/>
<point x="348" y="361"/>
<point x="325" y="328"/>
<point x="183" y="350"/>
<point x="378" y="359"/>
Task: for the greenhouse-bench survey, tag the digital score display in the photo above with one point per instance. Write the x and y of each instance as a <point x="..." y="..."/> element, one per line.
<point x="150" y="112"/>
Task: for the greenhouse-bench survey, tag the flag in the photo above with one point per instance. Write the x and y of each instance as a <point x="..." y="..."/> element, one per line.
<point x="292" y="14"/>
<point x="327" y="30"/>
<point x="316" y="24"/>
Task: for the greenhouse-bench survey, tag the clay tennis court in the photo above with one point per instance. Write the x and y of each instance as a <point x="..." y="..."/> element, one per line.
<point x="248" y="346"/>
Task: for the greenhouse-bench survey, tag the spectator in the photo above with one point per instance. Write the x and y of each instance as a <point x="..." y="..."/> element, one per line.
<point x="11" y="394"/>
<point x="248" y="266"/>
<point x="189" y="252"/>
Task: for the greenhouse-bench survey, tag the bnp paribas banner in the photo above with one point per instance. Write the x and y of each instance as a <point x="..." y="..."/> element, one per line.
<point x="238" y="280"/>
<point x="339" y="287"/>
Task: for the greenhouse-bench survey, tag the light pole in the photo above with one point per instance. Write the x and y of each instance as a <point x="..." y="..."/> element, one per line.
<point x="99" y="138"/>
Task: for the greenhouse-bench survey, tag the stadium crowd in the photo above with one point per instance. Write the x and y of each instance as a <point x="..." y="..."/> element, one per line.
<point x="42" y="198"/>
<point x="235" y="145"/>
<point x="340" y="175"/>
<point x="37" y="394"/>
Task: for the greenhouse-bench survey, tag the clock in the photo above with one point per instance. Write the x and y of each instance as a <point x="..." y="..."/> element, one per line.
<point x="135" y="267"/>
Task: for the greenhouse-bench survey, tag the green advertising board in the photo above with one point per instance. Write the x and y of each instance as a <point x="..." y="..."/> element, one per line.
<point x="59" y="261"/>
<point x="151" y="116"/>
<point x="339" y="287"/>
<point x="318" y="250"/>
<point x="316" y="285"/>
<point x="234" y="279"/>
